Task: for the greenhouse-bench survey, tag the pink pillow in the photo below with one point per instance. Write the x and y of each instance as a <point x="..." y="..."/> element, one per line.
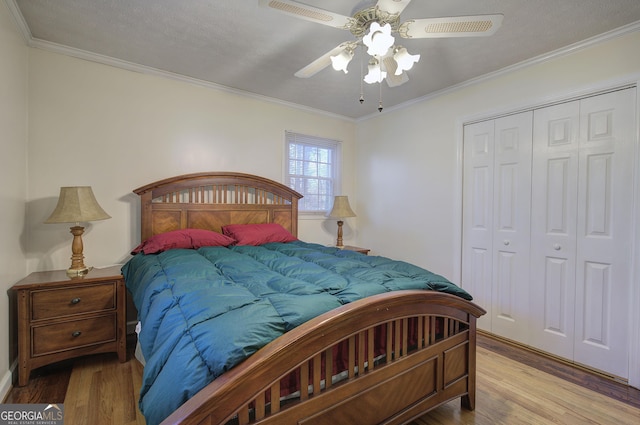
<point x="186" y="239"/>
<point x="258" y="234"/>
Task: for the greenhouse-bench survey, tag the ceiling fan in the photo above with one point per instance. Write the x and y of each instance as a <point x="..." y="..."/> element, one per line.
<point x="372" y="24"/>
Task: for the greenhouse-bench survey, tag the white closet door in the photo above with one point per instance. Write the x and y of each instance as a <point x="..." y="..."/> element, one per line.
<point x="553" y="227"/>
<point x="477" y="226"/>
<point x="581" y="230"/>
<point x="511" y="226"/>
<point x="604" y="231"/>
<point x="496" y="221"/>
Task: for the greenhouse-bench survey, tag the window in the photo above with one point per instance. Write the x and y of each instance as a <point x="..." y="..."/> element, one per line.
<point x="312" y="168"/>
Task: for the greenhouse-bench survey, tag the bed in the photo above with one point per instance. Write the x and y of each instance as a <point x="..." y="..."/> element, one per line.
<point x="335" y="337"/>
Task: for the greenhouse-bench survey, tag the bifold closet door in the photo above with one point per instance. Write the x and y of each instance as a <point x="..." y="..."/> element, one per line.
<point x="477" y="216"/>
<point x="553" y="227"/>
<point x="496" y="208"/>
<point x="511" y="226"/>
<point x="581" y="230"/>
<point x="605" y="231"/>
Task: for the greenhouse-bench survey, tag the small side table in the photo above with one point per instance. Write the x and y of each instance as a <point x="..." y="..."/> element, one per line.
<point x="364" y="251"/>
<point x="60" y="317"/>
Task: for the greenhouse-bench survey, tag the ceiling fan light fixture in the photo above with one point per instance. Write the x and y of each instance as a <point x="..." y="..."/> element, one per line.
<point x="376" y="74"/>
<point x="379" y="39"/>
<point x="342" y="59"/>
<point x="404" y="59"/>
<point x="372" y="24"/>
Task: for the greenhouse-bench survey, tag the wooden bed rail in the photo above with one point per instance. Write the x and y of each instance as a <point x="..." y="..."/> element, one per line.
<point x="429" y="360"/>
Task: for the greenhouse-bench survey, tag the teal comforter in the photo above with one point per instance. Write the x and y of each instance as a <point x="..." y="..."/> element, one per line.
<point x="204" y="311"/>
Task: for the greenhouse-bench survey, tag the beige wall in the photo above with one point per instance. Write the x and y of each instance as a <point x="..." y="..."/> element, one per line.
<point x="410" y="157"/>
<point x="116" y="130"/>
<point x="13" y="176"/>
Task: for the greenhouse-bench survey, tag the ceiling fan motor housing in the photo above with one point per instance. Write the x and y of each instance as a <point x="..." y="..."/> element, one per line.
<point x="363" y="19"/>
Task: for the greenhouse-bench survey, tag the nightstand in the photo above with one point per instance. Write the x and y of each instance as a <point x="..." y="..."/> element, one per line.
<point x="60" y="318"/>
<point x="364" y="251"/>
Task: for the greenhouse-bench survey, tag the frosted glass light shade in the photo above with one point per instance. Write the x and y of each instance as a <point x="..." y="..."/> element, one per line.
<point x="341" y="60"/>
<point x="404" y="60"/>
<point x="376" y="74"/>
<point x="379" y="39"/>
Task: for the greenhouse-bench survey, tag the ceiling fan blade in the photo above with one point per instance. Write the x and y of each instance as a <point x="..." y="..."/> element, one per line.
<point x="393" y="6"/>
<point x="454" y="26"/>
<point x="323" y="61"/>
<point x="392" y="79"/>
<point x="309" y="13"/>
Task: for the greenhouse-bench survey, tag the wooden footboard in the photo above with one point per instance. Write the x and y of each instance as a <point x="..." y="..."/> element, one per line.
<point x="428" y="359"/>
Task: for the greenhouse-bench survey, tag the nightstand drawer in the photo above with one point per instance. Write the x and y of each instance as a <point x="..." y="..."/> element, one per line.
<point x="63" y="302"/>
<point x="78" y="333"/>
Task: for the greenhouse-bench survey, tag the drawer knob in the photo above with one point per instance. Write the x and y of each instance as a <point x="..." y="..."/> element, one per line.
<point x="76" y="334"/>
<point x="75" y="301"/>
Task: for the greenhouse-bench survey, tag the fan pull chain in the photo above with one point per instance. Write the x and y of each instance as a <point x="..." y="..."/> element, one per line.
<point x="361" y="77"/>
<point x="380" y="102"/>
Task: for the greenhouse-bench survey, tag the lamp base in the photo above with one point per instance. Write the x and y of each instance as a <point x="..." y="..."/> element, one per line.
<point x="73" y="273"/>
<point x="77" y="269"/>
<point x="339" y="243"/>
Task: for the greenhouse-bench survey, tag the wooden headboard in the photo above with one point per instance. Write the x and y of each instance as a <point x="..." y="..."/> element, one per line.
<point x="212" y="200"/>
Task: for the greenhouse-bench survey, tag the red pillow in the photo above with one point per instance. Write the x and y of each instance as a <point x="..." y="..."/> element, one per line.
<point x="258" y="234"/>
<point x="186" y="239"/>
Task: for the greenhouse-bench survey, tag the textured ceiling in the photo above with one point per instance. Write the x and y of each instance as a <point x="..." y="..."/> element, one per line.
<point x="243" y="46"/>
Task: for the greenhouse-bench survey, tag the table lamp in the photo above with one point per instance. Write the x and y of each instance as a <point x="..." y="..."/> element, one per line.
<point x="77" y="204"/>
<point x="341" y="209"/>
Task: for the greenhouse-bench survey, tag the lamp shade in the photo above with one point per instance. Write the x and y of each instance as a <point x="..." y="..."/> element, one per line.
<point x="341" y="208"/>
<point x="77" y="204"/>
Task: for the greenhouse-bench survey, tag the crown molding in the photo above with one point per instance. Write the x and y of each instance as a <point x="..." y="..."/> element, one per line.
<point x="14" y="10"/>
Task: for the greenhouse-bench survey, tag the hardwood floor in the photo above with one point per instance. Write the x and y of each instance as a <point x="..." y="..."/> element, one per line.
<point x="526" y="388"/>
<point x="514" y="386"/>
<point x="95" y="390"/>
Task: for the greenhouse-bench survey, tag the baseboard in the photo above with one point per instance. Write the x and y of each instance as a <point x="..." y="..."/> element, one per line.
<point x="6" y="383"/>
<point x="553" y="357"/>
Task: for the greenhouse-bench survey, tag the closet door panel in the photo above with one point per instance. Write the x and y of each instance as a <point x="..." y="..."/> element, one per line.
<point x="604" y="231"/>
<point x="477" y="226"/>
<point x="553" y="235"/>
<point x="555" y="297"/>
<point x="511" y="223"/>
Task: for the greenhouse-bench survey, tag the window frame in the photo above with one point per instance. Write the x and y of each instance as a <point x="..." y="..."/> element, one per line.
<point x="292" y="137"/>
